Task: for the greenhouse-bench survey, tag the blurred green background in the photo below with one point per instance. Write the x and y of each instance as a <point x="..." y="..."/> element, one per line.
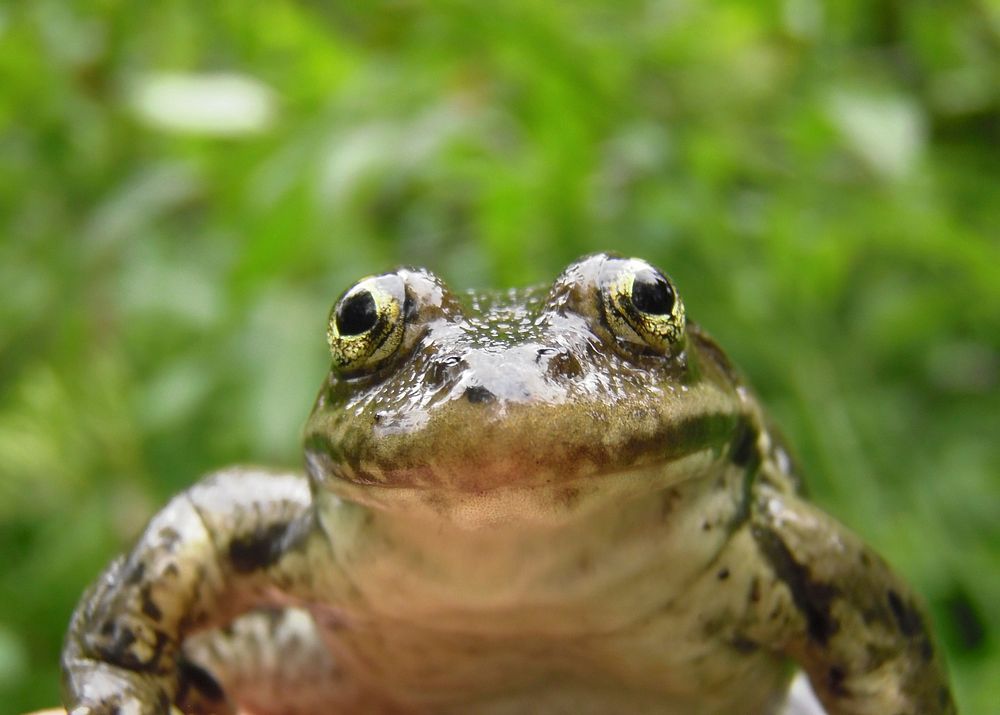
<point x="185" y="187"/>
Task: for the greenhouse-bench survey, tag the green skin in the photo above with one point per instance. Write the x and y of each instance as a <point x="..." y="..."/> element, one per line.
<point x="516" y="509"/>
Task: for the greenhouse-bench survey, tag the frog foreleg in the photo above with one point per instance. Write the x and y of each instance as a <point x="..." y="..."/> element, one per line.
<point x="856" y="628"/>
<point x="212" y="553"/>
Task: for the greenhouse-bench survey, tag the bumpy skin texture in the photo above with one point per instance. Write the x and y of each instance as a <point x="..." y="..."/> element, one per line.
<point x="559" y="500"/>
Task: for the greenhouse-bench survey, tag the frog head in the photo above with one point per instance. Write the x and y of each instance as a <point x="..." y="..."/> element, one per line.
<point x="597" y="376"/>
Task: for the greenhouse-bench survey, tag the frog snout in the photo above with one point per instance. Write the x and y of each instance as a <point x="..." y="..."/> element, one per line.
<point x="515" y="375"/>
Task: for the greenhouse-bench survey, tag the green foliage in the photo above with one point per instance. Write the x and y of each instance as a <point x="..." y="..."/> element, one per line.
<point x="821" y="180"/>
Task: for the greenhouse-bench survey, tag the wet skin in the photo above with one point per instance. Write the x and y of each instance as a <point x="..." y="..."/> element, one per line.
<point x="554" y="500"/>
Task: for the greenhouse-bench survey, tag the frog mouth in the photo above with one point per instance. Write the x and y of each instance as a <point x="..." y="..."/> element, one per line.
<point x="478" y="445"/>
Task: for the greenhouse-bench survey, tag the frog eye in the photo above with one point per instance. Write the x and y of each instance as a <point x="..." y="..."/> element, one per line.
<point x="366" y="324"/>
<point x="641" y="306"/>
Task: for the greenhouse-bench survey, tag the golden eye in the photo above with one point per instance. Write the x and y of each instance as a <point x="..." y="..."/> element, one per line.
<point x="366" y="324"/>
<point x="641" y="306"/>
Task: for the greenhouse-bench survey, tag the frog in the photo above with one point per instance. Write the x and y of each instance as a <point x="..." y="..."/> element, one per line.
<point x="563" y="499"/>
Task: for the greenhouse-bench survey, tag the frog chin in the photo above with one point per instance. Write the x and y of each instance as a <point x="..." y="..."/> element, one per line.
<point x="524" y="502"/>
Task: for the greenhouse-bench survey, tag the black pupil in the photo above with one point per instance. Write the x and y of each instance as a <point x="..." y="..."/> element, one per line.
<point x="651" y="293"/>
<point x="356" y="314"/>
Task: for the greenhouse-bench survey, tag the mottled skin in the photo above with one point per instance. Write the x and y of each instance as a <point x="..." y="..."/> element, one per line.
<point x="514" y="503"/>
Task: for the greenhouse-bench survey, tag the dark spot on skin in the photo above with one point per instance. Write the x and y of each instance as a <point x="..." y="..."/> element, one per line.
<point x="907" y="617"/>
<point x="185" y="623"/>
<point x="171" y="570"/>
<point x="723" y="574"/>
<point x="668" y="500"/>
<point x="944" y="696"/>
<point x="754" y="595"/>
<point x="926" y="650"/>
<point x="435" y="501"/>
<point x="169" y="538"/>
<point x="879" y="654"/>
<point x="119" y="651"/>
<point x="258" y="549"/>
<point x="705" y="526"/>
<point x="478" y="394"/>
<point x="667" y="607"/>
<point x="715" y="626"/>
<point x="568" y="497"/>
<point x="835" y="678"/>
<point x="136" y="574"/>
<point x="865" y="559"/>
<point x="743" y="449"/>
<point x="872" y="613"/>
<point x="742" y="513"/>
<point x="814" y="599"/>
<point x="149" y="607"/>
<point x="744" y="645"/>
<point x="197" y="685"/>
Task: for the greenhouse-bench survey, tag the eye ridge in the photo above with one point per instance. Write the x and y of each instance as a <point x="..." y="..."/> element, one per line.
<point x="357" y="314"/>
<point x="652" y="293"/>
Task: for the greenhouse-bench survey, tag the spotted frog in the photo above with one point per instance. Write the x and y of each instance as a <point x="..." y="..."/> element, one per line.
<point x="556" y="500"/>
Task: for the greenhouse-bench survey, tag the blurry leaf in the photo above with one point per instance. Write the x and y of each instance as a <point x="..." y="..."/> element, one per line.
<point x="285" y="350"/>
<point x="13" y="658"/>
<point x="172" y="395"/>
<point x="388" y="151"/>
<point x="207" y="104"/>
<point x="963" y="367"/>
<point x="886" y="132"/>
<point x="140" y="202"/>
<point x="803" y="18"/>
<point x="963" y="91"/>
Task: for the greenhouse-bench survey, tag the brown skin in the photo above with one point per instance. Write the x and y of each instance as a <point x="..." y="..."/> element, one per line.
<point x="561" y="499"/>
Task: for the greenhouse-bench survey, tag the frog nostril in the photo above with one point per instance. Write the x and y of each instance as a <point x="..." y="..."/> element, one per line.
<point x="559" y="362"/>
<point x="478" y="393"/>
<point x="445" y="369"/>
